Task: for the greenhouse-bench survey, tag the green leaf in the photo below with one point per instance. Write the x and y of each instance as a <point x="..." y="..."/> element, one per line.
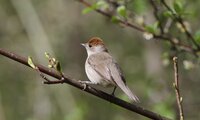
<point x="87" y="10"/>
<point x="58" y="66"/>
<point x="30" y="62"/>
<point x="152" y="28"/>
<point x="138" y="6"/>
<point x="91" y="8"/>
<point x="121" y="10"/>
<point x="115" y="19"/>
<point x="167" y="14"/>
<point x="102" y="4"/>
<point x="178" y="7"/>
<point x="197" y="36"/>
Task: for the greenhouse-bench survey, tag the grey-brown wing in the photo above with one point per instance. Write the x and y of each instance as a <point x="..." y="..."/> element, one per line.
<point x="99" y="62"/>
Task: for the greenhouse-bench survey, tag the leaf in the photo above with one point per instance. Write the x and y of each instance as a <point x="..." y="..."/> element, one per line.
<point x="138" y="6"/>
<point x="115" y="19"/>
<point x="167" y="14"/>
<point x="121" y="10"/>
<point x="58" y="66"/>
<point x="152" y="28"/>
<point x="102" y="4"/>
<point x="87" y="10"/>
<point x="197" y="36"/>
<point x="30" y="62"/>
<point x="178" y="7"/>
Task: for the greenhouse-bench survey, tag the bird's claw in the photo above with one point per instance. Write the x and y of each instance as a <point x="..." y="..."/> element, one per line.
<point x="83" y="83"/>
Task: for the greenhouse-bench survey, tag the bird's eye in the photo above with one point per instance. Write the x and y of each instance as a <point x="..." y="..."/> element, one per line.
<point x="90" y="46"/>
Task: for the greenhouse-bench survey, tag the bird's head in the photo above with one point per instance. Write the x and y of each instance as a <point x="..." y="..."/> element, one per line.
<point x="95" y="45"/>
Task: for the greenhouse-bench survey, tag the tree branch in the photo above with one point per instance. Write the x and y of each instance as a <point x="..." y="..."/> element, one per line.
<point x="93" y="91"/>
<point x="173" y="41"/>
<point x="110" y="16"/>
<point x="180" y="20"/>
<point x="177" y="90"/>
<point x="156" y="14"/>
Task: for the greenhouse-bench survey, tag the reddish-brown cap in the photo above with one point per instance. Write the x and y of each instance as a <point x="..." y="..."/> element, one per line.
<point x="94" y="41"/>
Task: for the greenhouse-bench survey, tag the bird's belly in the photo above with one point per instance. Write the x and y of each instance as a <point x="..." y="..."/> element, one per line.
<point x="94" y="77"/>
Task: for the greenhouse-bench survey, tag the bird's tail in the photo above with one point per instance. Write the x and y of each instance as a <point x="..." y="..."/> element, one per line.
<point x="120" y="81"/>
<point x="128" y="92"/>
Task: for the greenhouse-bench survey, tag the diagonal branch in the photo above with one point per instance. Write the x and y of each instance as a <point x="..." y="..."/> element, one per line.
<point x="93" y="91"/>
<point x="173" y="41"/>
<point x="110" y="16"/>
<point x="180" y="20"/>
<point x="177" y="89"/>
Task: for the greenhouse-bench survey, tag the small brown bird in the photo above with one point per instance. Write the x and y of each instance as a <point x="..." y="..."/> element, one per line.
<point x="102" y="69"/>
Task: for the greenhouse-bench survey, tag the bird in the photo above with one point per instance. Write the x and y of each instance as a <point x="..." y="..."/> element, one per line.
<point x="102" y="69"/>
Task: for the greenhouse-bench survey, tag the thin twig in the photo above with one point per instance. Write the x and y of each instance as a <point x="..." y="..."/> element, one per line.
<point x="93" y="91"/>
<point x="156" y="14"/>
<point x="176" y="43"/>
<point x="42" y="75"/>
<point x="47" y="80"/>
<point x="179" y="99"/>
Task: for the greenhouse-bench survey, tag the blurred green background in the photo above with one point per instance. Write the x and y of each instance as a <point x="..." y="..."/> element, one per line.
<point x="32" y="27"/>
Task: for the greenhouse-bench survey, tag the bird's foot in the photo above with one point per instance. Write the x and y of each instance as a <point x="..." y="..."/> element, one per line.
<point x="84" y="83"/>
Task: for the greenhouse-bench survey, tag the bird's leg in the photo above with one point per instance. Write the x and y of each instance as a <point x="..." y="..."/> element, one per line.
<point x="113" y="92"/>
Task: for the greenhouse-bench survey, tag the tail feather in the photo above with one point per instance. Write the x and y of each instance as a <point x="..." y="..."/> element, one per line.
<point x="128" y="92"/>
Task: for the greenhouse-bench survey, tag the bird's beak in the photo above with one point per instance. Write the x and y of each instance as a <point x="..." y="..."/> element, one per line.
<point x="83" y="44"/>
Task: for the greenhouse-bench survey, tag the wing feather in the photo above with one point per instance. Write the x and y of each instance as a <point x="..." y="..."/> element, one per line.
<point x="101" y="65"/>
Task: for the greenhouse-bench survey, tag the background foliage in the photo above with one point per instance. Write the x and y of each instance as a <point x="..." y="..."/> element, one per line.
<point x="31" y="27"/>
